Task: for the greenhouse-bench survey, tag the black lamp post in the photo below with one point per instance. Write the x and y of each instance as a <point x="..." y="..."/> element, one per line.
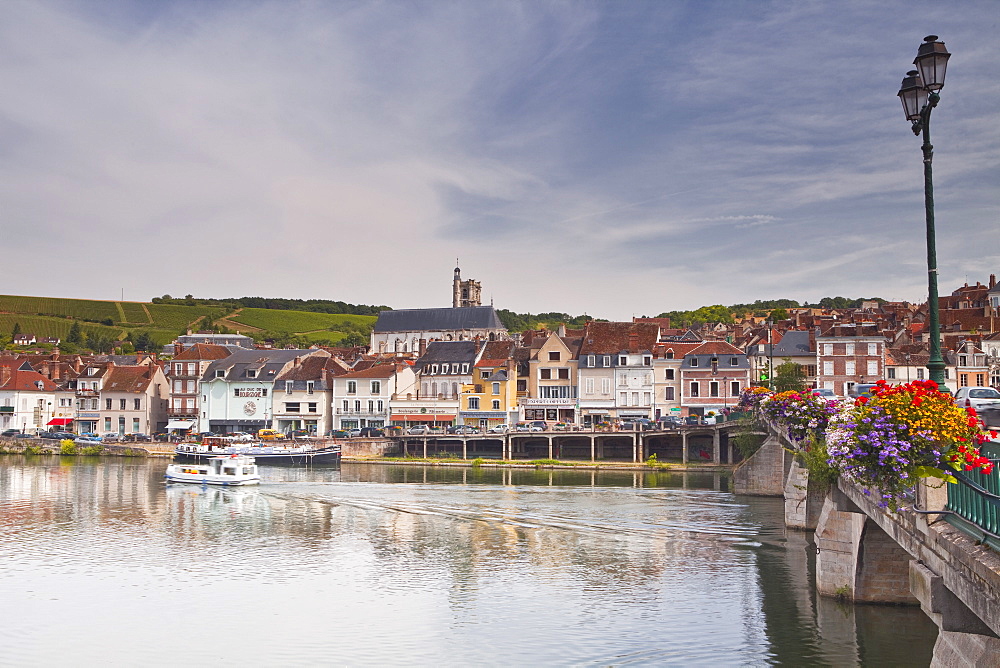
<point x="770" y="353"/>
<point x="919" y="95"/>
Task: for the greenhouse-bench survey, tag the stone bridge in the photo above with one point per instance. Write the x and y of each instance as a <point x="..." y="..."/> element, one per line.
<point x="868" y="554"/>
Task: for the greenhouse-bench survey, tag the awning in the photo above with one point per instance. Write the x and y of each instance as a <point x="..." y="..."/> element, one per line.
<point x="179" y="424"/>
<point x="422" y="418"/>
<point x="59" y="422"/>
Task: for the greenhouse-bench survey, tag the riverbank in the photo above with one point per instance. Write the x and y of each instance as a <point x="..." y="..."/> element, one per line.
<point x="548" y="464"/>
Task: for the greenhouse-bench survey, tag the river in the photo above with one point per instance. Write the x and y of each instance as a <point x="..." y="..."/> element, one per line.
<point x="103" y="564"/>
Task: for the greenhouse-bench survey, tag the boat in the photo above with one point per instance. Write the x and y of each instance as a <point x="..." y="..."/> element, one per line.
<point x="228" y="470"/>
<point x="269" y="454"/>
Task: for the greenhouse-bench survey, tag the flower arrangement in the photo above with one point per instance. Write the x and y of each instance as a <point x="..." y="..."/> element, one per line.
<point x="902" y="433"/>
<point x="801" y="413"/>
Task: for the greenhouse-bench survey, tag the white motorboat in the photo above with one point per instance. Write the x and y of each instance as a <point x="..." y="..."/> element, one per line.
<point x="228" y="470"/>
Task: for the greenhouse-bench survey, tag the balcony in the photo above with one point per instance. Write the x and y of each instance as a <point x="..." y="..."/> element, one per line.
<point x="182" y="412"/>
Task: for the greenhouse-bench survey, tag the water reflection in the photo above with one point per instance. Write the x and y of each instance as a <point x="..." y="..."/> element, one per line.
<point x="419" y="565"/>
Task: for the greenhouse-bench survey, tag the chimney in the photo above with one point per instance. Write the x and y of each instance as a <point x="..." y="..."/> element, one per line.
<point x="423" y="347"/>
<point x="4" y="374"/>
<point x="633" y="342"/>
<point x="178" y="348"/>
<point x="993" y="281"/>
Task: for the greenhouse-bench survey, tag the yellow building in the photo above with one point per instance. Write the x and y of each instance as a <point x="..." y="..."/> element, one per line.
<point x="491" y="398"/>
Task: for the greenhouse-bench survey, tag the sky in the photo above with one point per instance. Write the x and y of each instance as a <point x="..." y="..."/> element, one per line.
<point x="617" y="159"/>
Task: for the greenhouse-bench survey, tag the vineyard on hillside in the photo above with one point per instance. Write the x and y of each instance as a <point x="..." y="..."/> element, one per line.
<point x="303" y="321"/>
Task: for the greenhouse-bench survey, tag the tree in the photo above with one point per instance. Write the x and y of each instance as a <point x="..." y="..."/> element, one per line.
<point x="144" y="342"/>
<point x="788" y="376"/>
<point x="17" y="330"/>
<point x="75" y="335"/>
<point x="778" y="314"/>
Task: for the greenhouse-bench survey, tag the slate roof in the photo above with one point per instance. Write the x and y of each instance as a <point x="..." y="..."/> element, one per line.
<point x="438" y="319"/>
<point x="794" y="342"/>
<point x="448" y="351"/>
<point x="267" y="363"/>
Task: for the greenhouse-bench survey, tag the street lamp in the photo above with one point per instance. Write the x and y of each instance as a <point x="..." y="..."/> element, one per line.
<point x="770" y="353"/>
<point x="919" y="95"/>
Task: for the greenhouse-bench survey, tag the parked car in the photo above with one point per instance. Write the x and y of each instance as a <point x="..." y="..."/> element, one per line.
<point x="977" y="397"/>
<point x="861" y="390"/>
<point x="670" y="421"/>
<point x="354" y="432"/>
<point x="56" y="435"/>
<point x="529" y="426"/>
<point x="338" y="433"/>
<point x="638" y="424"/>
<point x="10" y="432"/>
<point x="462" y="429"/>
<point x="826" y="393"/>
<point x="419" y="430"/>
<point x="372" y="432"/>
<point x="709" y="419"/>
<point x="82" y="440"/>
<point x="110" y="437"/>
<point x="499" y="429"/>
<point x="270" y="435"/>
<point x="137" y="437"/>
<point x="541" y="424"/>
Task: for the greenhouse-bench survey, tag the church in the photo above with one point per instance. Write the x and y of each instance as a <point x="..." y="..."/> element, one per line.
<point x="408" y="331"/>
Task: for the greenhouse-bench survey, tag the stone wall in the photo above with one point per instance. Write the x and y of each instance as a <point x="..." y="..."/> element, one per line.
<point x="763" y="474"/>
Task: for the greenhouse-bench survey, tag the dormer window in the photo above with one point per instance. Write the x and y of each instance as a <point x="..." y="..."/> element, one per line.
<point x="91" y="371"/>
<point x="591" y="360"/>
<point x="288" y="386"/>
<point x="622" y="361"/>
<point x="251" y="373"/>
<point x="465" y="368"/>
<point x="670" y="354"/>
<point x="444" y="368"/>
<point x="694" y="361"/>
<point x="733" y="361"/>
<point x="220" y="373"/>
<point x="647" y="360"/>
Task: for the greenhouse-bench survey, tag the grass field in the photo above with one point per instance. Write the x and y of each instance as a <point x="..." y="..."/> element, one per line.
<point x="333" y="337"/>
<point x="169" y="316"/>
<point x="301" y="321"/>
<point x="75" y="308"/>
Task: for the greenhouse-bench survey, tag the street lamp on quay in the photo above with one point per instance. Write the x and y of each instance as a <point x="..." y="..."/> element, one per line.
<point x="919" y="95"/>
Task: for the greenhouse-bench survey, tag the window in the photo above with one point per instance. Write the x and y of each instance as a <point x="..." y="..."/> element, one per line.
<point x="920" y="374"/>
<point x="473" y="403"/>
<point x="496" y="404"/>
<point x="872" y="369"/>
<point x="646" y="398"/>
<point x="291" y="407"/>
<point x="694" y="389"/>
<point x="849" y="349"/>
<point x="121" y="404"/>
<point x="668" y="374"/>
<point x="220" y="373"/>
<point x="288" y="386"/>
<point x="178" y="386"/>
<point x="623" y="398"/>
<point x="496" y="388"/>
<point x="622" y="361"/>
<point x="352" y="387"/>
<point x="980" y="379"/>
<point x="563" y="374"/>
<point x="591" y="360"/>
<point x="963" y="360"/>
<point x="107" y="404"/>
<point x="670" y="354"/>
<point x="890" y="372"/>
<point x="873" y="349"/>
<point x="357" y="405"/>
<point x="606" y="360"/>
<point x="734" y="388"/>
<point x="694" y="361"/>
<point x="963" y="379"/>
<point x="850" y="368"/>
<point x="135" y="425"/>
<point x="192" y="386"/>
<point x="828" y="368"/>
<point x="137" y="404"/>
<point x="347" y="405"/>
<point x="465" y="368"/>
<point x="545" y="374"/>
<point x="381" y="405"/>
<point x="668" y="393"/>
<point x="553" y="355"/>
<point x="734" y="361"/>
<point x="107" y="424"/>
<point x="434" y="368"/>
<point x="178" y="369"/>
<point x="713" y="388"/>
<point x="192" y="368"/>
<point x="376" y="387"/>
<point x="647" y="360"/>
<point x="263" y="392"/>
<point x="588" y="386"/>
<point x="251" y="373"/>
<point x="605" y="386"/>
<point x="827" y="348"/>
<point x="522" y="386"/>
<point x="371" y="405"/>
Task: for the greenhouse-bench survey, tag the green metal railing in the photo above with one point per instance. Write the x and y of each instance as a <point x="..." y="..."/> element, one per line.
<point x="976" y="500"/>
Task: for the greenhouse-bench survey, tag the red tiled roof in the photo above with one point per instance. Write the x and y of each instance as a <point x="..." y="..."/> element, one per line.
<point x="128" y="379"/>
<point x="604" y="338"/>
<point x="204" y="351"/>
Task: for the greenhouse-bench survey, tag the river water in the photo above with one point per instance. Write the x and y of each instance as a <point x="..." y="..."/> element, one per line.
<point x="102" y="564"/>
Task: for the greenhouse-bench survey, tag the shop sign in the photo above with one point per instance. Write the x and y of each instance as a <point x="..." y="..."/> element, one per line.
<point x="548" y="402"/>
<point x="249" y="392"/>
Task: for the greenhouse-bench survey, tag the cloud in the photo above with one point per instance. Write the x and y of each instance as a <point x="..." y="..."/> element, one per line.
<point x="609" y="159"/>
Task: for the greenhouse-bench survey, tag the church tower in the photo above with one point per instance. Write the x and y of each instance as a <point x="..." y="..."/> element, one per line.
<point x="465" y="293"/>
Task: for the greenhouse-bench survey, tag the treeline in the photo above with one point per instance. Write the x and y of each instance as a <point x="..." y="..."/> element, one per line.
<point x="315" y="305"/>
<point x="774" y="308"/>
<point x="519" y="322"/>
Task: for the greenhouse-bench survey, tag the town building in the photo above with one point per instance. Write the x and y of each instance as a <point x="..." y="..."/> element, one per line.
<point x="552" y="378"/>
<point x="615" y="366"/>
<point x="847" y="355"/>
<point x="713" y="375"/>
<point x="184" y="372"/>
<point x="134" y="400"/>
<point x="238" y="391"/>
<point x="28" y="399"/>
<point x="491" y="398"/>
<point x="366" y="397"/>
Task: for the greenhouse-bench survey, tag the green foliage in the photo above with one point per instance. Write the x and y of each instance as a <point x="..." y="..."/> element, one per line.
<point x="92" y="450"/>
<point x="748" y="436"/>
<point x="778" y="314"/>
<point x="302" y="321"/>
<point x="75" y="335"/>
<point x="15" y="330"/>
<point x="788" y="376"/>
<point x="814" y="457"/>
<point x="700" y="316"/>
<point x="314" y="305"/>
<point x="67" y="447"/>
<point x="143" y="342"/>
<point x="477" y="462"/>
<point x="519" y="322"/>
